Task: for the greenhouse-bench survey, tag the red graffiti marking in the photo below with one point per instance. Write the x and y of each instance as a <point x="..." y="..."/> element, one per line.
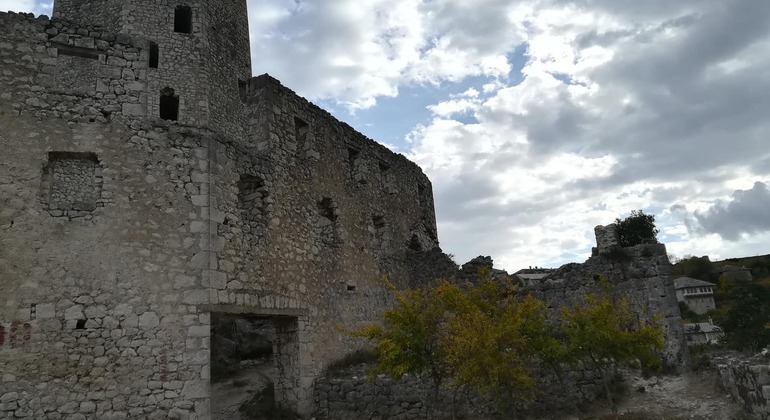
<point x="12" y="339"/>
<point x="2" y="335"/>
<point x="164" y="373"/>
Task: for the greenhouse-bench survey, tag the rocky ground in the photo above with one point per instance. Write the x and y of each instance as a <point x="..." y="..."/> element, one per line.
<point x="694" y="395"/>
<point x="228" y="395"/>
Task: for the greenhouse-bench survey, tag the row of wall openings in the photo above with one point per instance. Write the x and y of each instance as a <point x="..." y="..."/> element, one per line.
<point x="357" y="170"/>
<point x="169" y="104"/>
<point x="183" y="19"/>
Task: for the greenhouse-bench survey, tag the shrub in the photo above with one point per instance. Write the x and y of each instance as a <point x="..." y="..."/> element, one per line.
<point x="638" y="228"/>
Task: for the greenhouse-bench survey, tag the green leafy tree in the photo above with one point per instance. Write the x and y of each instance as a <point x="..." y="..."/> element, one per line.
<point x="746" y="319"/>
<point x="695" y="267"/>
<point x="603" y="332"/>
<point x="412" y="338"/>
<point x="637" y="228"/>
<point x="480" y="337"/>
<point x="495" y="340"/>
<point x="485" y="338"/>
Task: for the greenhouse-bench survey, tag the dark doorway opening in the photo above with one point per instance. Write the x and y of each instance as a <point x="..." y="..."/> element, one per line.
<point x="252" y="365"/>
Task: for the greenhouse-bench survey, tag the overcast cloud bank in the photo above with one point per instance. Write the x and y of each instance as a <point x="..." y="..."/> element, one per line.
<point x="567" y="114"/>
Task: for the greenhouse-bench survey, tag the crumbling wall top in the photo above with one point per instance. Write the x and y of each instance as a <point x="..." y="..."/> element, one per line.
<point x="607" y="238"/>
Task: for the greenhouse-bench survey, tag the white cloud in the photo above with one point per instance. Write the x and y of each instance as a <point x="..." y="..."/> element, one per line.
<point x="17" y="5"/>
<point x="744" y="214"/>
<point x="620" y="105"/>
<point x="617" y="111"/>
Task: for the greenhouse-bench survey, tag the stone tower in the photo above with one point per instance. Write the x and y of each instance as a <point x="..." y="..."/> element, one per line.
<point x="149" y="185"/>
<point x="197" y="54"/>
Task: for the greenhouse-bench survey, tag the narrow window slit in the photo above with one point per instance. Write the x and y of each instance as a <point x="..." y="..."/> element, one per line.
<point x="154" y="55"/>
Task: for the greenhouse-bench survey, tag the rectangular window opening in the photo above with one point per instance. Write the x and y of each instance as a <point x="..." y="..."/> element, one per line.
<point x="154" y="55"/>
<point x="301" y="129"/>
<point x="421" y="194"/>
<point x="169" y="107"/>
<point x="353" y="155"/>
<point x="183" y="19"/>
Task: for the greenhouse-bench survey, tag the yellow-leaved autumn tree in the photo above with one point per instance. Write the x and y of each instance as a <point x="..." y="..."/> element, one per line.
<point x="604" y="332"/>
<point x="479" y="337"/>
<point x="487" y="338"/>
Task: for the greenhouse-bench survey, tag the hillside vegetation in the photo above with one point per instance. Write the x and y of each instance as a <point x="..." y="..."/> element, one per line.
<point x="742" y="307"/>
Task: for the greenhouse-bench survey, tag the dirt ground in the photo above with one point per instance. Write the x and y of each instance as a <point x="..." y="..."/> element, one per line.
<point x="228" y="395"/>
<point x="693" y="395"/>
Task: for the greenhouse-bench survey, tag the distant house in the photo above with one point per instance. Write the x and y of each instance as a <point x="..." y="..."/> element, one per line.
<point x="698" y="295"/>
<point x="734" y="272"/>
<point x="530" y="276"/>
<point x="703" y="333"/>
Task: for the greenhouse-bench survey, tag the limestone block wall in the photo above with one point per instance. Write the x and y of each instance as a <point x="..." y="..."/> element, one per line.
<point x="204" y="66"/>
<point x="79" y="73"/>
<point x="105" y="13"/>
<point x="748" y="380"/>
<point x="99" y="315"/>
<point x="640" y="273"/>
<point x="352" y="393"/>
<point x="298" y="219"/>
<point x="121" y="233"/>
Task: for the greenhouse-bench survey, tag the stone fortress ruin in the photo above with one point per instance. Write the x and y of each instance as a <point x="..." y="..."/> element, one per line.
<point x="149" y="184"/>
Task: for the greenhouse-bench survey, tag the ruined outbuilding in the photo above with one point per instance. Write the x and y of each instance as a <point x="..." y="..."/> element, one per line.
<point x="147" y="181"/>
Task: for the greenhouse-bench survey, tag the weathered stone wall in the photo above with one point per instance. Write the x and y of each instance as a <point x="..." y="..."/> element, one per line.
<point x="69" y="71"/>
<point x="204" y="67"/>
<point x="120" y="233"/>
<point x="639" y="273"/>
<point x="352" y="393"/>
<point x="748" y="380"/>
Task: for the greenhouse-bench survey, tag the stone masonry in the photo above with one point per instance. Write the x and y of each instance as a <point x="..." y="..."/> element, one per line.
<point x="121" y="232"/>
<point x="640" y="273"/>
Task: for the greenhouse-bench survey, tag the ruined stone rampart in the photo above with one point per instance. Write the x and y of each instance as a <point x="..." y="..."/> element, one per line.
<point x="639" y="273"/>
<point x="748" y="381"/>
<point x="353" y="393"/>
<point x="78" y="73"/>
<point x="122" y="232"/>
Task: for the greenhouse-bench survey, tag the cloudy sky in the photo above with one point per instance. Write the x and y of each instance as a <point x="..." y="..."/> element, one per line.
<point x="539" y="119"/>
